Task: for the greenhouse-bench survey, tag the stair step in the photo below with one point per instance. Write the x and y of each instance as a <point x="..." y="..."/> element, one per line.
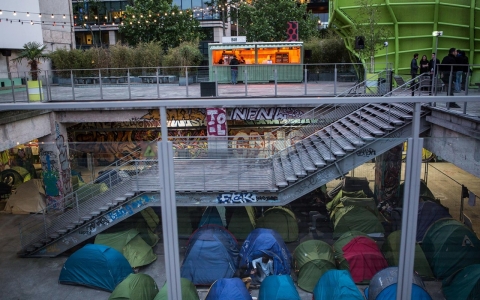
<point x="351" y="137"/>
<point x="71" y="226"/>
<point x="37" y="245"/>
<point x="373" y="119"/>
<point x="54" y="235"/>
<point x="305" y="158"/>
<point x="358" y="130"/>
<point x="86" y="218"/>
<point x="45" y="240"/>
<point x="330" y="143"/>
<point x="120" y="199"/>
<point x="313" y="153"/>
<point x="78" y="222"/>
<point x="130" y="194"/>
<point x="296" y="163"/>
<point x="95" y="213"/>
<point x="322" y="149"/>
<point x="103" y="208"/>
<point x="62" y="231"/>
<point x="366" y="125"/>
<point x="280" y="180"/>
<point x="287" y="167"/>
<point x="386" y="116"/>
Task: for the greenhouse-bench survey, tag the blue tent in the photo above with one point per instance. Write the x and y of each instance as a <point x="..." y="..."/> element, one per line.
<point x="228" y="288"/>
<point x="95" y="266"/>
<point x="212" y="254"/>
<point x="336" y="285"/>
<point x="278" y="287"/>
<point x="390" y="293"/>
<point x="266" y="241"/>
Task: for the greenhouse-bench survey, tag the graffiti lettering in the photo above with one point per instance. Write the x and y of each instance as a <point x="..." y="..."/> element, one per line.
<point x="265" y="113"/>
<point x="236" y="198"/>
<point x="129" y="209"/>
<point x="93" y="226"/>
<point x="367" y="152"/>
<point x="69" y="240"/>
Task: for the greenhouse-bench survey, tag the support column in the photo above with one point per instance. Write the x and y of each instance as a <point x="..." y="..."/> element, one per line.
<point x="56" y="170"/>
<point x="388" y="167"/>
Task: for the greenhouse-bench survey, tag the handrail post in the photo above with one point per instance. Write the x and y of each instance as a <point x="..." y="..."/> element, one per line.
<point x="128" y="83"/>
<point x="47" y="81"/>
<point x="305" y="74"/>
<point x="26" y="82"/>
<point x="76" y="203"/>
<point x="13" y="89"/>
<point x="275" y="78"/>
<point x="45" y="223"/>
<point x="450" y="79"/>
<point x="246" y="81"/>
<point x="73" y="85"/>
<point x="216" y="81"/>
<point x="335" y="80"/>
<point x="100" y="83"/>
<point x="186" y="79"/>
<point x="158" y="83"/>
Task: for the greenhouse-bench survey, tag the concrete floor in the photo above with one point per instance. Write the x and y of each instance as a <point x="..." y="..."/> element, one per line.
<point x="37" y="278"/>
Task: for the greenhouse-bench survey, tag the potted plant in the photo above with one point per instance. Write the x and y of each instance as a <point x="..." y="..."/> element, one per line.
<point x="33" y="53"/>
<point x="185" y="55"/>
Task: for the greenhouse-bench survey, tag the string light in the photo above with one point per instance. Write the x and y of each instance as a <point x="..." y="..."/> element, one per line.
<point x="14" y="13"/>
<point x="64" y="16"/>
<point x="53" y="16"/>
<point x="28" y="14"/>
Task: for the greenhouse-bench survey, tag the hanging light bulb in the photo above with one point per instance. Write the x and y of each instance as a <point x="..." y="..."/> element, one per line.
<point x="64" y="16"/>
<point x="40" y="15"/>
<point x="28" y="14"/>
<point x="53" y="16"/>
<point x="31" y="22"/>
<point x="14" y="13"/>
<point x="1" y="12"/>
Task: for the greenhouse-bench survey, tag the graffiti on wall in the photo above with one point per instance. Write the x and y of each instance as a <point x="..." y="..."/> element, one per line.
<point x="264" y="113"/>
<point x="64" y="163"/>
<point x="129" y="209"/>
<point x="244" y="198"/>
<point x="387" y="178"/>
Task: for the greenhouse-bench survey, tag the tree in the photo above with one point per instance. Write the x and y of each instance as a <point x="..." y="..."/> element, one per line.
<point x="159" y="21"/>
<point x="266" y="20"/>
<point x="185" y="55"/>
<point x="366" y="25"/>
<point x="33" y="53"/>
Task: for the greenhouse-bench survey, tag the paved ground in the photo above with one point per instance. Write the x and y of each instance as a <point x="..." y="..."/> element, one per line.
<point x="36" y="278"/>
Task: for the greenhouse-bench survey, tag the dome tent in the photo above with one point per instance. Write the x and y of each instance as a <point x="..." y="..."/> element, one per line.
<point x="212" y="254"/>
<point x="278" y="287"/>
<point x="391" y="251"/>
<point x="228" y="288"/>
<point x="266" y="241"/>
<point x="336" y="285"/>
<point x="189" y="291"/>
<point x="135" y="287"/>
<point x="282" y="220"/>
<point x="242" y="221"/>
<point x="450" y="246"/>
<point x="312" y="259"/>
<point x="463" y="285"/>
<point x="130" y="244"/>
<point x="95" y="266"/>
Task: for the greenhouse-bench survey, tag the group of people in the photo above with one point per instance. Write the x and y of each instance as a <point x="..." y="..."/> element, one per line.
<point x="453" y="70"/>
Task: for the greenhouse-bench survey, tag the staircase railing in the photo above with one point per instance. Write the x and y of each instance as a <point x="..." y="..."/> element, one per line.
<point x="87" y="198"/>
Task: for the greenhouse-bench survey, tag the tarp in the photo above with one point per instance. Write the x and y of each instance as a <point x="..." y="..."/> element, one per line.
<point x="356" y="218"/>
<point x="28" y="198"/>
<point x="189" y="291"/>
<point x="391" y="251"/>
<point x="282" y="220"/>
<point x="95" y="266"/>
<point x="266" y="241"/>
<point x="312" y="259"/>
<point x="212" y="254"/>
<point x="364" y="258"/>
<point x="135" y="287"/>
<point x="428" y="213"/>
<point x="336" y="285"/>
<point x="463" y="285"/>
<point x="278" y="287"/>
<point x="450" y="246"/>
<point x="242" y="221"/>
<point x="228" y="288"/>
<point x="343" y="240"/>
<point x="383" y="286"/>
<point x="130" y="244"/>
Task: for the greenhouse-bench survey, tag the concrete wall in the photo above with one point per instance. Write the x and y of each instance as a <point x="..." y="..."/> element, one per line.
<point x="24" y="131"/>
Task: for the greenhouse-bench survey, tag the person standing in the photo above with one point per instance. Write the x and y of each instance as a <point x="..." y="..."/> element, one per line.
<point x="425" y="72"/>
<point x="413" y="70"/>
<point x="445" y="69"/>
<point x="463" y="67"/>
<point x="433" y="65"/>
<point x="458" y="71"/>
<point x="234" y="69"/>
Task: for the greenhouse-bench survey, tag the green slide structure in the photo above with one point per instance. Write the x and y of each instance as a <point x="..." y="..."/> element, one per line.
<point x="412" y="23"/>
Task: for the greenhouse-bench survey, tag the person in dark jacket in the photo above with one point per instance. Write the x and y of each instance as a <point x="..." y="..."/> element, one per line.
<point x="433" y="65"/>
<point x="445" y="69"/>
<point x="234" y="69"/>
<point x="461" y="75"/>
<point x="425" y="72"/>
<point x="413" y="70"/>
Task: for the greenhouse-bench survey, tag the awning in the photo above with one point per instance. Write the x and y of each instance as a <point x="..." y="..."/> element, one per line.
<point x="279" y="45"/>
<point x="230" y="47"/>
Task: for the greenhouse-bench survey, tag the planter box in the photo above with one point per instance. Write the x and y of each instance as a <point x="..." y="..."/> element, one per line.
<point x="35" y="91"/>
<point x="183" y="81"/>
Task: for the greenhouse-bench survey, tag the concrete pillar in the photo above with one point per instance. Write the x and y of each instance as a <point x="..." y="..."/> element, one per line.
<point x="388" y="167"/>
<point x="112" y="38"/>
<point x="53" y="153"/>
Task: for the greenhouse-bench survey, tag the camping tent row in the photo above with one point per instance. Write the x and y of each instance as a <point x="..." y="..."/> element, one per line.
<point x="104" y="268"/>
<point x="213" y="253"/>
<point x="240" y="221"/>
<point x="354" y="211"/>
<point x="353" y="252"/>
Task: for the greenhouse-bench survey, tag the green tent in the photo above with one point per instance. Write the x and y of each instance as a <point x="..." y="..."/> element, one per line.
<point x="282" y="220"/>
<point x="463" y="285"/>
<point x="357" y="218"/>
<point x="340" y="243"/>
<point x="450" y="246"/>
<point x="189" y="291"/>
<point x="425" y="192"/>
<point x="135" y="287"/>
<point x="391" y="251"/>
<point x="242" y="222"/>
<point x="336" y="200"/>
<point x="312" y="259"/>
<point x="184" y="222"/>
<point x="145" y="223"/>
<point x="130" y="244"/>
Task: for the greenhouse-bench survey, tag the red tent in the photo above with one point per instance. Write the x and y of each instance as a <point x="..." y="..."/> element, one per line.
<point x="364" y="258"/>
